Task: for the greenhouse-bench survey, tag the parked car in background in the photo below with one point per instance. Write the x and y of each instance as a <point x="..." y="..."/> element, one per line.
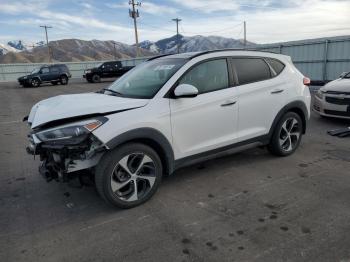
<point x="333" y="99"/>
<point x="54" y="74"/>
<point x="106" y="70"/>
<point x="169" y="112"/>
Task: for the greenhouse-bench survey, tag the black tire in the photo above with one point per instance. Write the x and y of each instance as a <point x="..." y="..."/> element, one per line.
<point x="64" y="80"/>
<point x="89" y="80"/>
<point x="110" y="172"/>
<point x="54" y="83"/>
<point x="96" y="78"/>
<point x="35" y="82"/>
<point x="284" y="140"/>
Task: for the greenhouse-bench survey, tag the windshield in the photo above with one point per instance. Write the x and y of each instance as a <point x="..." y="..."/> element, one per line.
<point x="36" y="70"/>
<point x="145" y="80"/>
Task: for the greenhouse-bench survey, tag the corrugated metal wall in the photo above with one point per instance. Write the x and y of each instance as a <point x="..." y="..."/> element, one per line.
<point x="10" y="72"/>
<point x="321" y="59"/>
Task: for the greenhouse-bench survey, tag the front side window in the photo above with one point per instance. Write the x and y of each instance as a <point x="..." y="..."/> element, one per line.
<point x="208" y="76"/>
<point x="146" y="79"/>
<point x="250" y="70"/>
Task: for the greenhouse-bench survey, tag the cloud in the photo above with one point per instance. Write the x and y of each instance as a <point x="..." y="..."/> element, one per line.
<point x="208" y="6"/>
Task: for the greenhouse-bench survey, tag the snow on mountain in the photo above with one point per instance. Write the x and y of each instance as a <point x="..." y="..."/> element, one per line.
<point x="192" y="44"/>
<point x="17" y="46"/>
<point x="4" y="49"/>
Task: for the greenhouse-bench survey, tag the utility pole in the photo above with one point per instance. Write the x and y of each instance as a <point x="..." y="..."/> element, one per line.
<point x="47" y="41"/>
<point x="177" y="20"/>
<point x="134" y="13"/>
<point x="115" y="53"/>
<point x="245" y="34"/>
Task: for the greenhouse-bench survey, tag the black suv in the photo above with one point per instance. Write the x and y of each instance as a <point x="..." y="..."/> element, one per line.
<point x="53" y="74"/>
<point x="105" y="70"/>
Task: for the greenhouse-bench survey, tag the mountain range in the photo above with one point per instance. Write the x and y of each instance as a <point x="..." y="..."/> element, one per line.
<point x="75" y="50"/>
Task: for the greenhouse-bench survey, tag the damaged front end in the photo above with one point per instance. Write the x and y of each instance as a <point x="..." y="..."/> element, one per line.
<point x="66" y="149"/>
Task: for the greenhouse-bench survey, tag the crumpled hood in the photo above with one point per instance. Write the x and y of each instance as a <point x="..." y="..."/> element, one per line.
<point x="340" y="85"/>
<point x="68" y="106"/>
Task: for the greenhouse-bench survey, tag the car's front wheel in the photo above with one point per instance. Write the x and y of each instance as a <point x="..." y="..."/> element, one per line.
<point x="35" y="82"/>
<point x="287" y="135"/>
<point x="96" y="78"/>
<point x="128" y="176"/>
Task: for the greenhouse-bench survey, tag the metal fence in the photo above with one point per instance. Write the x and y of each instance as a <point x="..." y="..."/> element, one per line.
<point x="10" y="72"/>
<point x="322" y="59"/>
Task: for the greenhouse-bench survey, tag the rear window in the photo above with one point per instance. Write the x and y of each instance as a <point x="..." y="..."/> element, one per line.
<point x="276" y="65"/>
<point x="250" y="70"/>
<point x="63" y="67"/>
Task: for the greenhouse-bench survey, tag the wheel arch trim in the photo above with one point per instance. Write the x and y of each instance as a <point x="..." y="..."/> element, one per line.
<point x="298" y="107"/>
<point x="151" y="137"/>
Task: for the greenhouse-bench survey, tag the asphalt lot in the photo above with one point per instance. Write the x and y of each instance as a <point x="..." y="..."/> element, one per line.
<point x="249" y="206"/>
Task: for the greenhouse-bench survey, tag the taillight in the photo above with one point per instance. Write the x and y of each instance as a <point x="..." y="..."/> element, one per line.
<point x="306" y="81"/>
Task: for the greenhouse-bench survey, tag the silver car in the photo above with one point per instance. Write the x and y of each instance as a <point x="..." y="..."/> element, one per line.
<point x="333" y="99"/>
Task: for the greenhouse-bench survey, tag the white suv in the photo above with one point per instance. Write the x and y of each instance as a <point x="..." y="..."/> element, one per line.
<point x="168" y="112"/>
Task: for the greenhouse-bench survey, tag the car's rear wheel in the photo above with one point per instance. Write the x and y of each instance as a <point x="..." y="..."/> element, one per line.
<point x="35" y="82"/>
<point x="96" y="78"/>
<point x="128" y="176"/>
<point x="287" y="135"/>
<point x="64" y="80"/>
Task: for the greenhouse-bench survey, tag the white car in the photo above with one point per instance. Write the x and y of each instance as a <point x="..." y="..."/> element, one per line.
<point x="333" y="99"/>
<point x="169" y="112"/>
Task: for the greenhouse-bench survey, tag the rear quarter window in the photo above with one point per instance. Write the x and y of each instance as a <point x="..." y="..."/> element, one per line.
<point x="276" y="65"/>
<point x="250" y="70"/>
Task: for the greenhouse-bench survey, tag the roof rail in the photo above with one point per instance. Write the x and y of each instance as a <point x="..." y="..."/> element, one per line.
<point x="157" y="56"/>
<point x="229" y="49"/>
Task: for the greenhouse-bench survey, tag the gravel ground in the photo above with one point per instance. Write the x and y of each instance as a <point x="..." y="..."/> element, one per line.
<point x="249" y="206"/>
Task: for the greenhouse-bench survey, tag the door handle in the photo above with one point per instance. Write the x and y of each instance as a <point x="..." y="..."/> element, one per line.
<point x="229" y="103"/>
<point x="277" y="91"/>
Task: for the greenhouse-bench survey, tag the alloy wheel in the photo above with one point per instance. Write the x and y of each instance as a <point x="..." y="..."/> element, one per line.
<point x="133" y="177"/>
<point x="289" y="134"/>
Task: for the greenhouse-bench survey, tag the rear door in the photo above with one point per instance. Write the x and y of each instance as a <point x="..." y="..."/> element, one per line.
<point x="54" y="73"/>
<point x="261" y="94"/>
<point x="209" y="120"/>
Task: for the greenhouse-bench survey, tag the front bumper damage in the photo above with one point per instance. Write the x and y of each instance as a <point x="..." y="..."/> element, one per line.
<point x="60" y="162"/>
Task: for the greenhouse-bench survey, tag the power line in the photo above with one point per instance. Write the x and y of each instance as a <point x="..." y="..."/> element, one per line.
<point x="177" y="20"/>
<point x="134" y="13"/>
<point x="47" y="41"/>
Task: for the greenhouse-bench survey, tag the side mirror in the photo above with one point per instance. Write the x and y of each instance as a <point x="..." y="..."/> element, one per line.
<point x="185" y="90"/>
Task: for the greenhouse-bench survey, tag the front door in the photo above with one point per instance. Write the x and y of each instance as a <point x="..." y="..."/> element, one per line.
<point x="45" y="74"/>
<point x="207" y="121"/>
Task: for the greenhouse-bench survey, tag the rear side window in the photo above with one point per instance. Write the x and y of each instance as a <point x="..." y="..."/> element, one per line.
<point x="54" y="69"/>
<point x="64" y="68"/>
<point x="276" y="65"/>
<point x="250" y="70"/>
<point x="208" y="76"/>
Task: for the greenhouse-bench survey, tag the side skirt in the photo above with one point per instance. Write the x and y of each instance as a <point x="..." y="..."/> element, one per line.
<point x="222" y="151"/>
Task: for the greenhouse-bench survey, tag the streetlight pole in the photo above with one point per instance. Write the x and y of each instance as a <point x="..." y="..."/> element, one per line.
<point x="134" y="13"/>
<point x="47" y="41"/>
<point x="177" y="20"/>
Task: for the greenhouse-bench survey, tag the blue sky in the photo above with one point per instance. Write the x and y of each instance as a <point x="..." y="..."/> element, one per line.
<point x="267" y="20"/>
